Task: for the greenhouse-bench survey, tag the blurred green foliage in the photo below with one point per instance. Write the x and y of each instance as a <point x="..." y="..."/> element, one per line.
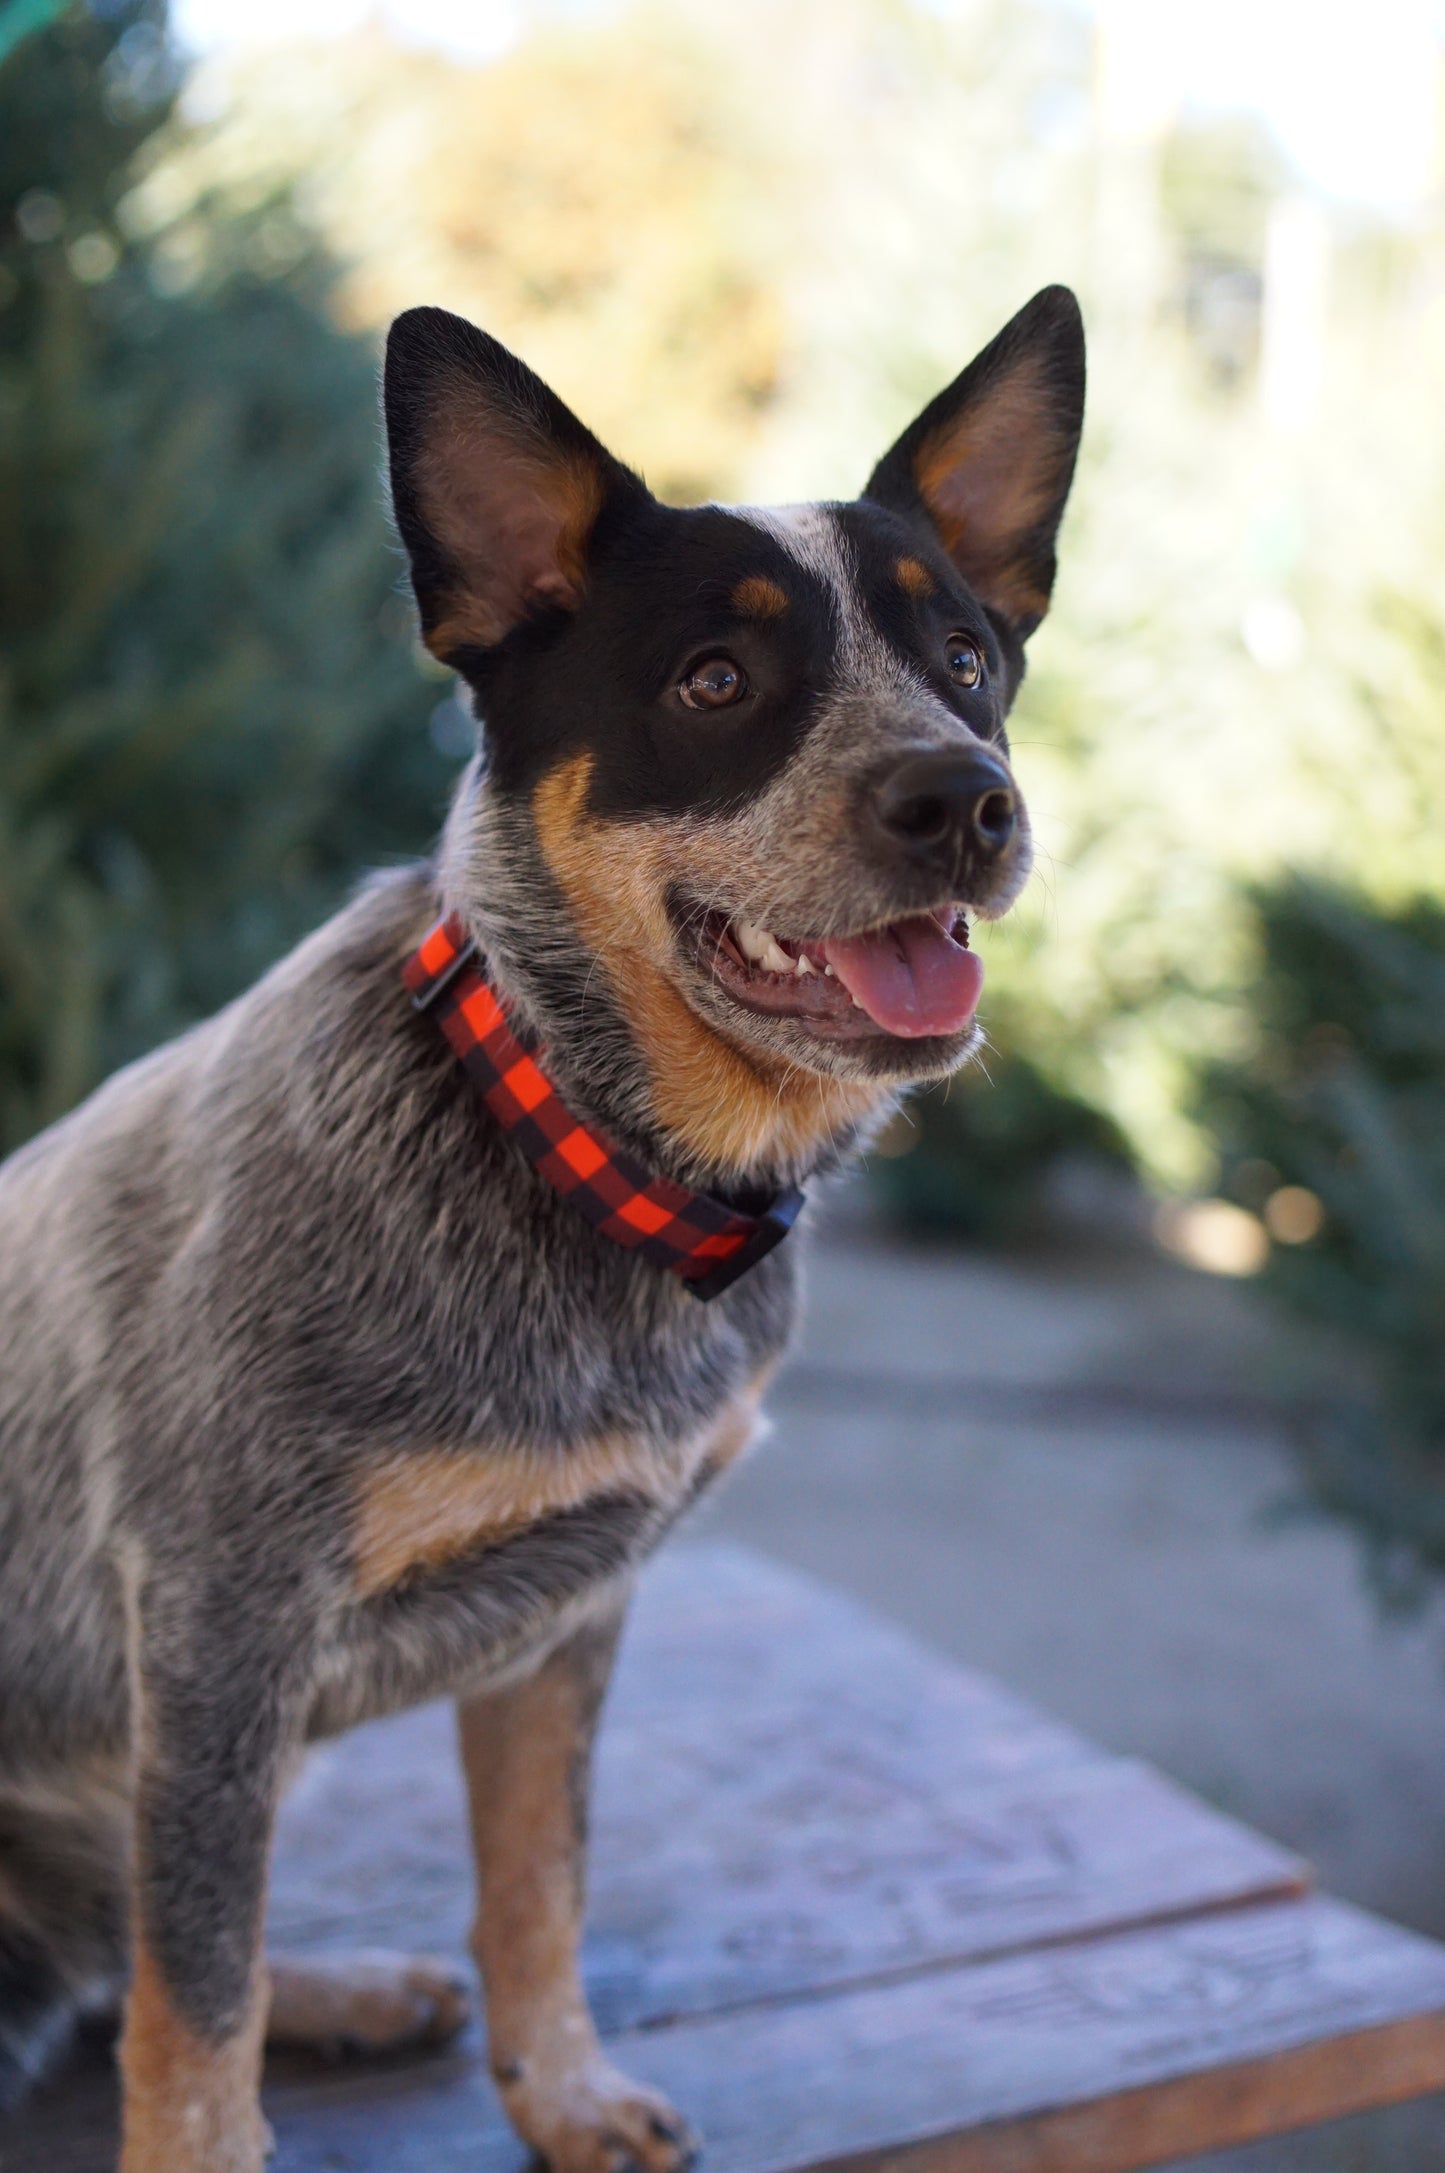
<point x="974" y="1158"/>
<point x="209" y="713"/>
<point x="1342" y="1092"/>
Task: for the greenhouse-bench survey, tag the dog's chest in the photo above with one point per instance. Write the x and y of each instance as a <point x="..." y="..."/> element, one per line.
<point x="547" y="1432"/>
<point x="465" y="1562"/>
<point x="416" y="1513"/>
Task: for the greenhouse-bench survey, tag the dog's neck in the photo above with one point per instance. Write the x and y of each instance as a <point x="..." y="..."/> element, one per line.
<point x="623" y="1045"/>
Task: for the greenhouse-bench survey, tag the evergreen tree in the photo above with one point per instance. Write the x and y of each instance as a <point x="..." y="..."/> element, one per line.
<point x="1343" y="1097"/>
<point x="210" y="717"/>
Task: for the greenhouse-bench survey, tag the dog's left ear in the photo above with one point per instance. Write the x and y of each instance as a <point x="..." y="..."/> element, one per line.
<point x="495" y="484"/>
<point x="990" y="461"/>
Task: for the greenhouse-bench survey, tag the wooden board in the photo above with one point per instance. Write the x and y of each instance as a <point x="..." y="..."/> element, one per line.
<point x="790" y="1795"/>
<point x="851" y="1907"/>
<point x="1123" y="2052"/>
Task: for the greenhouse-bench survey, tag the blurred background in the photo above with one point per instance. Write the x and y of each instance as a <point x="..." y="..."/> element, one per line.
<point x="1126" y="1372"/>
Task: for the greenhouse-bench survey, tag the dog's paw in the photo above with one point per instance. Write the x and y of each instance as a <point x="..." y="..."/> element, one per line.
<point x="597" y="2120"/>
<point x="367" y="2005"/>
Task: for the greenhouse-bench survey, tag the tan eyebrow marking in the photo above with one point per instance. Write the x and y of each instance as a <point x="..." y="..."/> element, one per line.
<point x="911" y="574"/>
<point x="758" y="596"/>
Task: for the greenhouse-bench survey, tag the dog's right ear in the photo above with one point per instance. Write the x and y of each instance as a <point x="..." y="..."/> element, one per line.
<point x="988" y="464"/>
<point x="495" y="484"/>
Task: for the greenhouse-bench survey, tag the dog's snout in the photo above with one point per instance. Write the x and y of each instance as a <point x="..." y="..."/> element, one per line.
<point x="948" y="808"/>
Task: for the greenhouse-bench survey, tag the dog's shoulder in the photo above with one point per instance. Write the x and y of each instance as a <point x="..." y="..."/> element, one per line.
<point x="156" y="1144"/>
<point x="306" y="1194"/>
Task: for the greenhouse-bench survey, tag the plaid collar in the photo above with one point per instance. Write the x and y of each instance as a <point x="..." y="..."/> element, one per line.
<point x="703" y="1240"/>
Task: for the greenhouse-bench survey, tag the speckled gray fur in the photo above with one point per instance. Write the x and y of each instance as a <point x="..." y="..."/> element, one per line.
<point x="290" y="1250"/>
<point x="286" y="1245"/>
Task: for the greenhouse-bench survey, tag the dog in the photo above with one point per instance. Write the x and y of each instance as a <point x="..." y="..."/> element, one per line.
<point x="359" y="1345"/>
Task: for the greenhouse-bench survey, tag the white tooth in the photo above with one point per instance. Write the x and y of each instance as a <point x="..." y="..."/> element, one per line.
<point x="762" y="948"/>
<point x="855" y="1003"/>
<point x="805" y="964"/>
<point x="829" y="971"/>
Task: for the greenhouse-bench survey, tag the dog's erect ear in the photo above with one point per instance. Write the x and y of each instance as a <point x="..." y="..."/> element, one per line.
<point x="989" y="462"/>
<point x="495" y="484"/>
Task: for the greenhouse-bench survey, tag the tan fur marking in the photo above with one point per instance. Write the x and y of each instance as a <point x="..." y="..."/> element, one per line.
<point x="759" y="597"/>
<point x="525" y="1825"/>
<point x="986" y="498"/>
<point x="913" y="576"/>
<point x="190" y="2107"/>
<point x="729" y="1109"/>
<point x="737" y="1429"/>
<point x="419" y="1510"/>
<point x="366" y="2003"/>
<point x="526" y="1754"/>
<point x="512" y="517"/>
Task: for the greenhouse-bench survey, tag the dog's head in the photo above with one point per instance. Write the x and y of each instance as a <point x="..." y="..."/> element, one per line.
<point x="760" y="753"/>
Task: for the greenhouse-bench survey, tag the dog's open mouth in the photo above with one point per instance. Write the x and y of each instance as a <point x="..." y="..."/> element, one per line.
<point x="914" y="978"/>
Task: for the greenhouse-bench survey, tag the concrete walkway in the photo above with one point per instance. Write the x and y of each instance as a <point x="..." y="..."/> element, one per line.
<point x="1071" y="1471"/>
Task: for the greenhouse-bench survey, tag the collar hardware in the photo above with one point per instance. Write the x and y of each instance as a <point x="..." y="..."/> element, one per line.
<point x="699" y="1238"/>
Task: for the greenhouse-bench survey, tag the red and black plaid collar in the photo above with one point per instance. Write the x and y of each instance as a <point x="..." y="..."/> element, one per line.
<point x="703" y="1240"/>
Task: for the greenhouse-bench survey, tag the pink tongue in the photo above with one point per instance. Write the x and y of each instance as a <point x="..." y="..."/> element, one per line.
<point x="911" y="978"/>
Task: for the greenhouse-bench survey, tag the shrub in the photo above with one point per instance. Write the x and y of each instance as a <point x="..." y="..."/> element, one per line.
<point x="1343" y="1096"/>
<point x="209" y="715"/>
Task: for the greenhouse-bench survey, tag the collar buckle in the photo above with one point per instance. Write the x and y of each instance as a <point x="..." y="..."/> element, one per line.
<point x="773" y="1225"/>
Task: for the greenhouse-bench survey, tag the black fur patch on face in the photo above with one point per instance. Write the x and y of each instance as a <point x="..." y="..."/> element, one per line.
<point x="575" y="604"/>
<point x="662" y="596"/>
<point x="917" y="622"/>
<point x="800" y="709"/>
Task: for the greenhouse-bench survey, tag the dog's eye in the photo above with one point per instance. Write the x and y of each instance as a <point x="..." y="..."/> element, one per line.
<point x="713" y="684"/>
<point x="965" y="665"/>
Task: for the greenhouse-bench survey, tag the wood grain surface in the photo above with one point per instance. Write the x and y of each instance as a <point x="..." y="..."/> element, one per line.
<point x="851" y="1907"/>
<point x="790" y="1795"/>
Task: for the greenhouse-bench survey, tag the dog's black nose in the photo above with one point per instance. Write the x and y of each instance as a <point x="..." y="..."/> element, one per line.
<point x="950" y="809"/>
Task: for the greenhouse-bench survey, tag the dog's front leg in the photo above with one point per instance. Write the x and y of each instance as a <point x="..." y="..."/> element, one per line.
<point x="527" y="1753"/>
<point x="214" y="1708"/>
